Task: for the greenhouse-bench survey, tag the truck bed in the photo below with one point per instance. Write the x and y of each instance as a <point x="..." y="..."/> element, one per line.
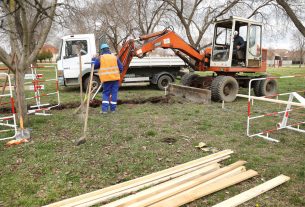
<point x="156" y="62"/>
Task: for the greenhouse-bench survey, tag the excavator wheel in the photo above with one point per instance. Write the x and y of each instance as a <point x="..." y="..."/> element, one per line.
<point x="266" y="87"/>
<point x="184" y="78"/>
<point x="189" y="79"/>
<point x="224" y="88"/>
<point x="256" y="87"/>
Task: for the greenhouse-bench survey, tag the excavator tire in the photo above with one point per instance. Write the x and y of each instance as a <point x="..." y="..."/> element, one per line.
<point x="266" y="87"/>
<point x="184" y="78"/>
<point x="224" y="88"/>
<point x="256" y="87"/>
<point x="188" y="79"/>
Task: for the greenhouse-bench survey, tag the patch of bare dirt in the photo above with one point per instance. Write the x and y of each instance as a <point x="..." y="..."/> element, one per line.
<point x="169" y="140"/>
<point x="154" y="100"/>
<point x="97" y="103"/>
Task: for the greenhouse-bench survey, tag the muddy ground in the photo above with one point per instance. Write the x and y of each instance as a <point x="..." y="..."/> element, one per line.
<point x="169" y="99"/>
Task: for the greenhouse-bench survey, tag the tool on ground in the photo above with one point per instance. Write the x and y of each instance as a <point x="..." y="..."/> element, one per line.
<point x="82" y="140"/>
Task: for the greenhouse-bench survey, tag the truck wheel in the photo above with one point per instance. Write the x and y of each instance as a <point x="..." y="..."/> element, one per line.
<point x="266" y="87"/>
<point x="189" y="79"/>
<point x="224" y="88"/>
<point x="95" y="83"/>
<point x="164" y="81"/>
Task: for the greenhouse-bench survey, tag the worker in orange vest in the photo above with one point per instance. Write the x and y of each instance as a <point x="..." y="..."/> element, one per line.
<point x="110" y="68"/>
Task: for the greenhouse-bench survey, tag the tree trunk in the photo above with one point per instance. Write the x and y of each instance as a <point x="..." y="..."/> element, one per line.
<point x="20" y="93"/>
<point x="292" y="16"/>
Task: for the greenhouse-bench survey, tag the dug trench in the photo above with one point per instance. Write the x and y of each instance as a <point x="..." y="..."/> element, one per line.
<point x="169" y="99"/>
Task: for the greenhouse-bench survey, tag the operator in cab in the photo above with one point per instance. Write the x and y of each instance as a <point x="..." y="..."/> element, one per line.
<point x="238" y="47"/>
<point x="110" y="69"/>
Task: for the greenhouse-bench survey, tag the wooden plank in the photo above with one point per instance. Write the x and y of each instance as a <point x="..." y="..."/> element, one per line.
<point x="92" y="200"/>
<point x="253" y="192"/>
<point x="164" y="186"/>
<point x="271" y="100"/>
<point x="203" y="190"/>
<point x="224" y="172"/>
<point x="227" y="175"/>
<point x="144" y="181"/>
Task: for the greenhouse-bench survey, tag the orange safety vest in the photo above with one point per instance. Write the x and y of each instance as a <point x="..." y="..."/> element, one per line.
<point x="109" y="70"/>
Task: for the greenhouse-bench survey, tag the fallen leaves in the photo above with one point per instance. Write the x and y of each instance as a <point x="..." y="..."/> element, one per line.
<point x="203" y="146"/>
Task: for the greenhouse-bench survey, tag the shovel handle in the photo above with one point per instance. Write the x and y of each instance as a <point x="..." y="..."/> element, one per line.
<point x="21" y="122"/>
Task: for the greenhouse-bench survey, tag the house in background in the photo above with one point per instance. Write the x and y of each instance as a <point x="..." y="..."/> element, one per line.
<point x="295" y="56"/>
<point x="52" y="49"/>
<point x="278" y="58"/>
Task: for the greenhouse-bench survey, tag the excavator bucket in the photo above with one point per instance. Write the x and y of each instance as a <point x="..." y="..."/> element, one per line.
<point x="196" y="95"/>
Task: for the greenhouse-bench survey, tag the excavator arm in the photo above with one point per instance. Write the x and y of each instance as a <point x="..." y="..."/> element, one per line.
<point x="166" y="39"/>
<point x="125" y="55"/>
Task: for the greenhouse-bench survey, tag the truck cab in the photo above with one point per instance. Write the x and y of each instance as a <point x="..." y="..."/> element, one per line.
<point x="68" y="63"/>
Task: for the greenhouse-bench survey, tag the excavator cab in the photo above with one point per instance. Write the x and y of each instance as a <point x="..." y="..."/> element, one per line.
<point x="225" y="52"/>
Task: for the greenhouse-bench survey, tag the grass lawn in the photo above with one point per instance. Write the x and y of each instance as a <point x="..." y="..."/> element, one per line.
<point x="131" y="143"/>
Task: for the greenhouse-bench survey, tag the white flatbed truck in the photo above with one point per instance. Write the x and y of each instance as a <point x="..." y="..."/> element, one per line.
<point x="159" y="71"/>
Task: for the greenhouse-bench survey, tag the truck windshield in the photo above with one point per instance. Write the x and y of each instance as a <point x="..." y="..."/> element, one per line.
<point x="73" y="47"/>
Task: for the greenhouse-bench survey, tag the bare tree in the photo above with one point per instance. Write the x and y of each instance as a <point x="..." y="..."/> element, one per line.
<point x="22" y="26"/>
<point x="299" y="42"/>
<point x="115" y="21"/>
<point x="149" y="14"/>
<point x="197" y="16"/>
<point x="80" y="18"/>
<point x="292" y="14"/>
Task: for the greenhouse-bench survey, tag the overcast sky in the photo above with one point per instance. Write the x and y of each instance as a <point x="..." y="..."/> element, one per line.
<point x="280" y="43"/>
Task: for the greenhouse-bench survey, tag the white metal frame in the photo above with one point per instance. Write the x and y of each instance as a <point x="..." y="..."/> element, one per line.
<point x="41" y="108"/>
<point x="289" y="103"/>
<point x="4" y="121"/>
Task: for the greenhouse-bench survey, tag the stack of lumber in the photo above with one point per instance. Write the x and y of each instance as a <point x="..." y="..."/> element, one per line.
<point x="174" y="186"/>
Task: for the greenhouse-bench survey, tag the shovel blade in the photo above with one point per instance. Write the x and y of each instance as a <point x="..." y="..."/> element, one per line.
<point x="196" y="95"/>
<point x="23" y="134"/>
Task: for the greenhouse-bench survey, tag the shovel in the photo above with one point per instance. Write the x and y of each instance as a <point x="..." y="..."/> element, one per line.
<point x="82" y="140"/>
<point x="22" y="133"/>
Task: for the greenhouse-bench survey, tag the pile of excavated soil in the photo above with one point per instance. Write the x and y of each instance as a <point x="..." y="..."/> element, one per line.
<point x="156" y="99"/>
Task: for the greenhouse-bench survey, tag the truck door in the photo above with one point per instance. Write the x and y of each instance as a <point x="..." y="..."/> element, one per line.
<point x="70" y="57"/>
<point x="254" y="47"/>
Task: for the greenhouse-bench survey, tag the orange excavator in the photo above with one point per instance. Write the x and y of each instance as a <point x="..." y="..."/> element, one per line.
<point x="231" y="65"/>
